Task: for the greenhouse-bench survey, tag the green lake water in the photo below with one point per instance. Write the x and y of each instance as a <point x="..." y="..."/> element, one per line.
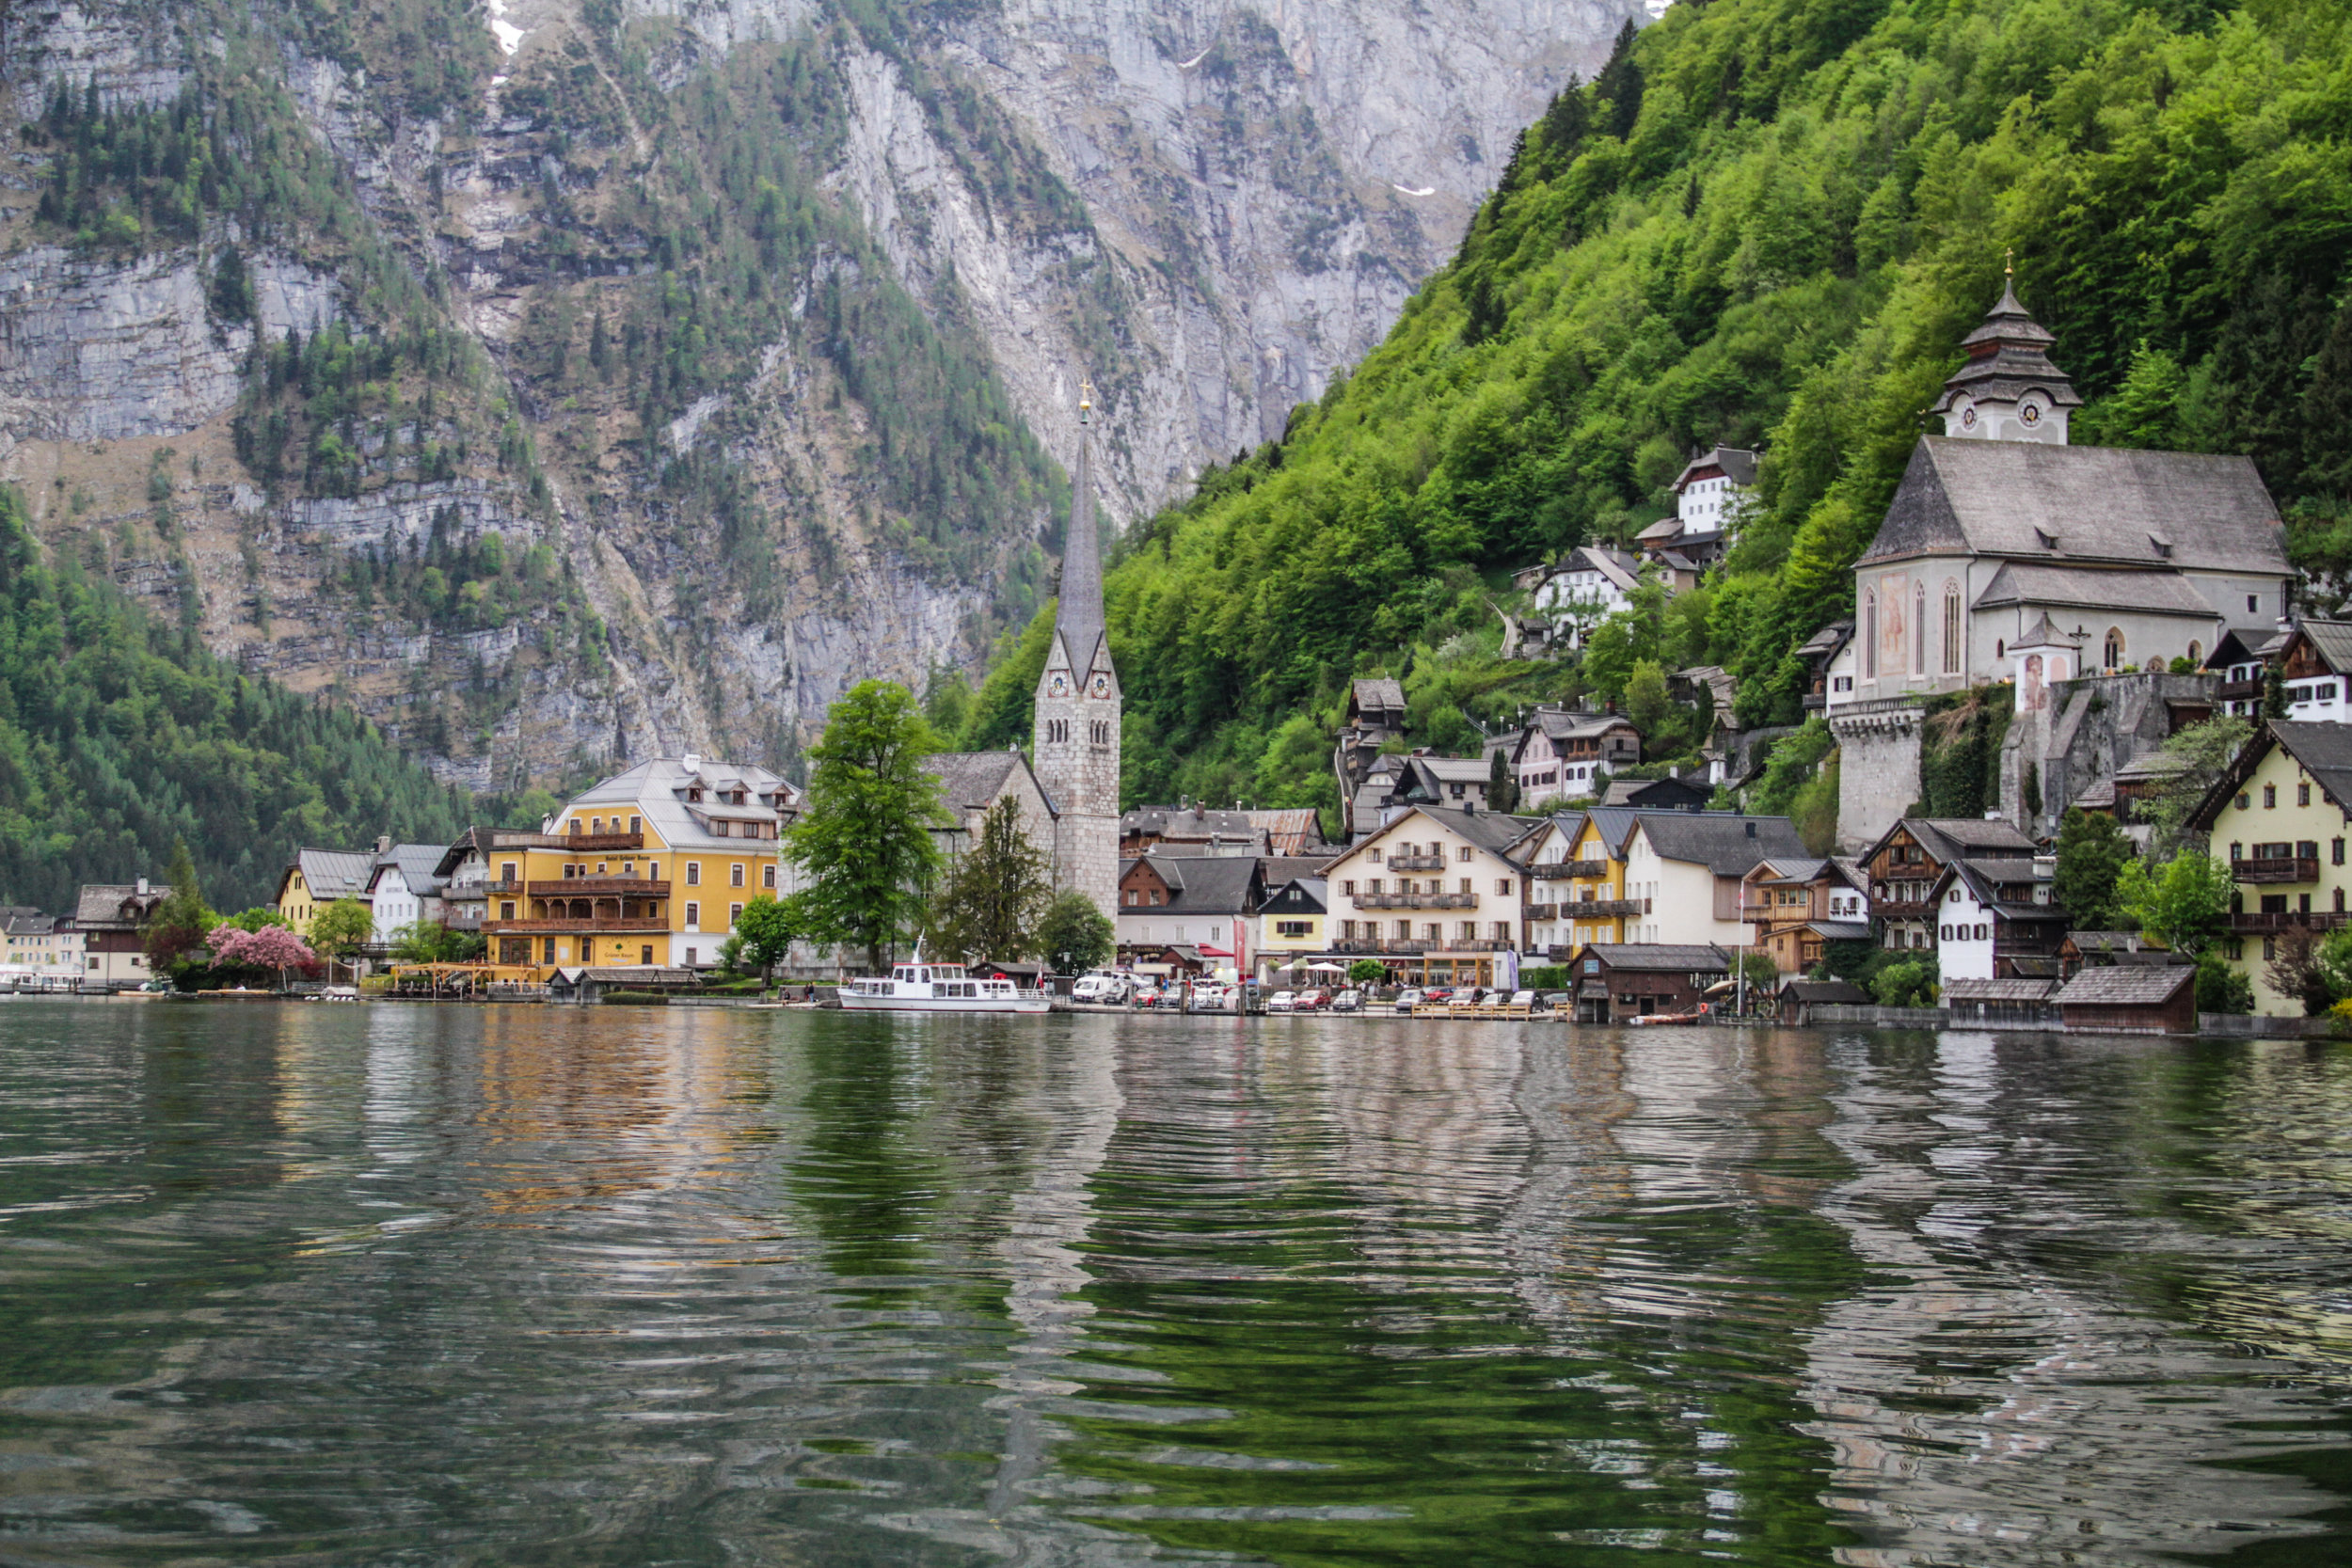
<point x="404" y="1285"/>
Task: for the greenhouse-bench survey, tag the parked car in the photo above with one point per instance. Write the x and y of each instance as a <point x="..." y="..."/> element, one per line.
<point x="1349" y="1001"/>
<point x="1313" y="1000"/>
<point x="1411" y="997"/>
<point x="1150" y="996"/>
<point x="1281" y="1002"/>
<point x="1434" y="995"/>
<point x="1529" y="1000"/>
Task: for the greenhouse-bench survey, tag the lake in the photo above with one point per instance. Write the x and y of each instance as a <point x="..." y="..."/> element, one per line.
<point x="525" y="1285"/>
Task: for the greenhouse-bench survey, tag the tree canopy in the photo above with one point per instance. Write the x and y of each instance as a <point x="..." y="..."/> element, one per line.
<point x="866" y="838"/>
<point x="994" y="894"/>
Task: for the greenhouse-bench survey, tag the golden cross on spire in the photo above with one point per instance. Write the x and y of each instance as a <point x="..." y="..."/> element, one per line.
<point x="1085" y="398"/>
<point x="2008" y="261"/>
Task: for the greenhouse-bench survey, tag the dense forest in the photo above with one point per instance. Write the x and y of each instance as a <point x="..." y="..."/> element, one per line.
<point x="1765" y="223"/>
<point x="120" y="737"/>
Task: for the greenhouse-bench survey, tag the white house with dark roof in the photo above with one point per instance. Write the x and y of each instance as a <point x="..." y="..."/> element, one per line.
<point x="1580" y="589"/>
<point x="2137" y="558"/>
<point x="1685" y="870"/>
<point x="405" y="886"/>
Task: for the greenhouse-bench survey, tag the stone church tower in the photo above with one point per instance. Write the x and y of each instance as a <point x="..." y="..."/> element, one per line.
<point x="1076" y="743"/>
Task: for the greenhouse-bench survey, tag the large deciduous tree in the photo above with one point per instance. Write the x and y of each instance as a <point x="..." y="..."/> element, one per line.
<point x="1074" y="936"/>
<point x="766" y="930"/>
<point x="995" y="893"/>
<point x="2184" y="903"/>
<point x="865" y="840"/>
<point x="340" y="931"/>
<point x="2091" y="850"/>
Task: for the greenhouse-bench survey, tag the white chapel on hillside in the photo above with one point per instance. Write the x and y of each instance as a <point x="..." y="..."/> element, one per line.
<point x="2007" y="554"/>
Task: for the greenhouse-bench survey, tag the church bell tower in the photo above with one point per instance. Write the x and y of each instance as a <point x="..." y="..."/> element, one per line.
<point x="1076" y="744"/>
<point x="2009" y="391"/>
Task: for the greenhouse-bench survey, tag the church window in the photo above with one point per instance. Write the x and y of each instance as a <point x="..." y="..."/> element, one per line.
<point x="1920" y="630"/>
<point x="1870" y="635"/>
<point x="1951" y="629"/>
<point x="2254" y="605"/>
<point x="2196" y="653"/>
<point x="2115" y="648"/>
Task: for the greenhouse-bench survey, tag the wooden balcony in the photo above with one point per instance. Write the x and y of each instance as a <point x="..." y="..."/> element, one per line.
<point x="2289" y="920"/>
<point x="1604" y="909"/>
<point x="1417" y="863"/>
<point x="1417" y="900"/>
<point x="560" y="927"/>
<point x="2238" y="691"/>
<point x="1568" y="870"/>
<point x="579" y="843"/>
<point x="590" y="887"/>
<point x="2298" y="868"/>
<point x="1542" y="912"/>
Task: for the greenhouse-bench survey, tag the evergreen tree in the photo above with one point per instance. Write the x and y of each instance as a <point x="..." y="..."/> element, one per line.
<point x="2091" y="850"/>
<point x="180" y="922"/>
<point x="1503" y="787"/>
<point x="995" y="893"/>
<point x="865" y="839"/>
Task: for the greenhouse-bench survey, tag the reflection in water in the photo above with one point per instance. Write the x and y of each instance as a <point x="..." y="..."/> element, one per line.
<point x="625" y="1286"/>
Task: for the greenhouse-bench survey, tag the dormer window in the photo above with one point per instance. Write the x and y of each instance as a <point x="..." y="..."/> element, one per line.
<point x="2162" y="546"/>
<point x="2043" y="537"/>
<point x="694" y="797"/>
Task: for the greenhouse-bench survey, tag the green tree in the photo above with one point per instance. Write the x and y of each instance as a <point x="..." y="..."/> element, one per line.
<point x="340" y="931"/>
<point x="1367" y="972"/>
<point x="1652" y="709"/>
<point x="2199" y="756"/>
<point x="2184" y="902"/>
<point x="866" y="838"/>
<point x="994" y="894"/>
<point x="260" y="917"/>
<point x="181" y="921"/>
<point x="2091" y="850"/>
<point x="1074" y="936"/>
<point x="429" y="941"/>
<point x="1909" y="982"/>
<point x="767" y="928"/>
<point x="2221" y="987"/>
<point x="1502" y="785"/>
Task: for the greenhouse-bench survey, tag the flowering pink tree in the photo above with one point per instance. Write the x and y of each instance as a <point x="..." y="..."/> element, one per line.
<point x="271" y="947"/>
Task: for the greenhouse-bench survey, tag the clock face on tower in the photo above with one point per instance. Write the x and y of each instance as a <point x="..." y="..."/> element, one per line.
<point x="1058" y="686"/>
<point x="1102" y="686"/>
<point x="2031" y="414"/>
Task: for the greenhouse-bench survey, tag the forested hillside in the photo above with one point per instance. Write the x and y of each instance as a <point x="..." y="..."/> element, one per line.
<point x="118" y="736"/>
<point x="1765" y="222"/>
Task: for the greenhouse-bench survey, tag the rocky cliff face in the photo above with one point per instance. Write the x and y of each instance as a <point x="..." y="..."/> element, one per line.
<point x="709" y="355"/>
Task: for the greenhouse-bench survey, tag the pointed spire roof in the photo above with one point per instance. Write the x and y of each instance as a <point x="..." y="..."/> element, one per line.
<point x="2008" y="355"/>
<point x="1079" y="617"/>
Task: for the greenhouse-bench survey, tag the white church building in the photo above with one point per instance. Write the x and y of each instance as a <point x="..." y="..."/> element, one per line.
<point x="2007" y="554"/>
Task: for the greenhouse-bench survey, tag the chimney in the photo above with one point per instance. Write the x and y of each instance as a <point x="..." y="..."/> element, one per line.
<point x="691" y="762"/>
<point x="1751" y="829"/>
<point x="142" y="887"/>
<point x="383" y="844"/>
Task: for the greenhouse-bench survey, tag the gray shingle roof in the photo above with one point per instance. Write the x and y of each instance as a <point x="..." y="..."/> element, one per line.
<point x="2008" y="355"/>
<point x="1990" y="498"/>
<point x="103" y="904"/>
<point x="1659" y="957"/>
<point x="2332" y="641"/>
<point x="1379" y="693"/>
<point x="332" y="874"/>
<point x="1720" y="840"/>
<point x="419" y="864"/>
<point x="2151" y="591"/>
<point x="1795" y="988"/>
<point x="1188" y="822"/>
<point x="1208" y="884"/>
<point x="1947" y="838"/>
<point x="971" y="780"/>
<point x="656" y="790"/>
<point x="2003" y="989"/>
<point x="2126" y="985"/>
<point x="2325" y="752"/>
<point x="1737" y="464"/>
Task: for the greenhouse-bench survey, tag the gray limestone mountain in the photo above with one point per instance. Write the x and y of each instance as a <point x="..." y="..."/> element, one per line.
<point x="578" y="379"/>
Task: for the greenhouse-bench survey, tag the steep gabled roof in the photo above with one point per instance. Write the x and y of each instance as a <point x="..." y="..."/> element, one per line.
<point x="1720" y="841"/>
<point x="1736" y="463"/>
<point x="332" y="874"/>
<point x="2323" y="749"/>
<point x="117" y="903"/>
<point x="2331" y="641"/>
<point x="1208" y="884"/>
<point x="1377" y="694"/>
<point x="971" y="780"/>
<point x="1962" y="497"/>
<point x="1947" y="838"/>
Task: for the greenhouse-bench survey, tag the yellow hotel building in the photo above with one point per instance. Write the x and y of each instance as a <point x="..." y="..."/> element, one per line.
<point x="2281" y="819"/>
<point x="650" y="868"/>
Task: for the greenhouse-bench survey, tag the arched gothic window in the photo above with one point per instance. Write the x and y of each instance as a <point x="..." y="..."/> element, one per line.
<point x="2115" y="648"/>
<point x="1951" y="629"/>
<point x="1920" y="630"/>
<point x="2195" y="655"/>
<point x="1869" y="634"/>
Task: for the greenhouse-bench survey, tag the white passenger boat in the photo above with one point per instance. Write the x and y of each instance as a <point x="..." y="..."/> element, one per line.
<point x="923" y="987"/>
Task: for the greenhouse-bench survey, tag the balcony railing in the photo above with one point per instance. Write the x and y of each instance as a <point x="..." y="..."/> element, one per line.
<point x="464" y="920"/>
<point x="2298" y="869"/>
<point x="589" y="842"/>
<point x="558" y="928"/>
<point x="2288" y="919"/>
<point x="1568" y="870"/>
<point x="1417" y="863"/>
<point x="2230" y="691"/>
<point x="1417" y="900"/>
<point x="588" y="887"/>
<point x="1604" y="909"/>
<point x="1543" y="911"/>
<point x="493" y="889"/>
<point x="1381" y="944"/>
<point x="1754" y="913"/>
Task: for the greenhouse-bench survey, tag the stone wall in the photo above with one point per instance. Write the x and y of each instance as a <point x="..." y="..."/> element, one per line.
<point x="2084" y="730"/>
<point x="1877" y="767"/>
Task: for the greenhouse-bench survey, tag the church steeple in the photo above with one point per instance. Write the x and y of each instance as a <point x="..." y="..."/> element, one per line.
<point x="1078" y="700"/>
<point x="1079" y="617"/>
<point x="2009" y="391"/>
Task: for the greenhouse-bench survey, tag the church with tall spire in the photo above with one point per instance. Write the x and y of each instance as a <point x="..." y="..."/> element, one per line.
<point x="1076" y="742"/>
